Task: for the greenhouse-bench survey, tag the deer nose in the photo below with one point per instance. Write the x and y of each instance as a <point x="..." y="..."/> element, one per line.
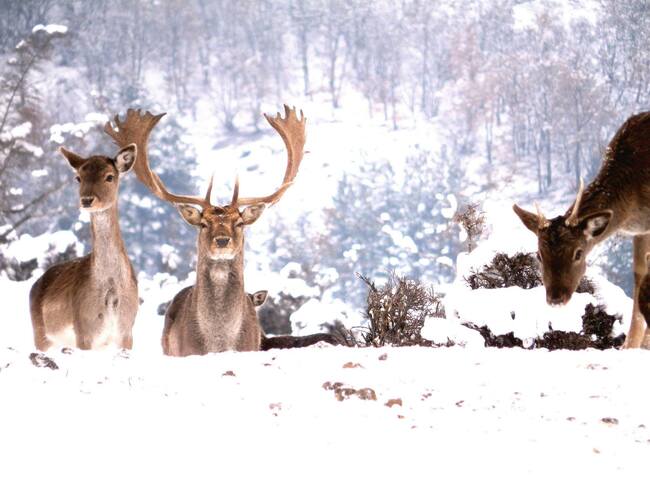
<point x="222" y="241"/>
<point x="87" y="201"/>
<point x="557" y="297"/>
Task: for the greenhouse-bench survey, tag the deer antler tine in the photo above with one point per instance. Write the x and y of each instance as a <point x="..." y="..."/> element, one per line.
<point x="542" y="222"/>
<point x="235" y="193"/>
<point x="573" y="217"/>
<point x="208" y="194"/>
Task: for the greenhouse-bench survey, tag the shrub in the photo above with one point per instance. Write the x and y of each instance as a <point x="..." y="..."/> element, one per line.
<point x="472" y="220"/>
<point x="499" y="341"/>
<point x="521" y="269"/>
<point x="397" y="310"/>
<point x="597" y="328"/>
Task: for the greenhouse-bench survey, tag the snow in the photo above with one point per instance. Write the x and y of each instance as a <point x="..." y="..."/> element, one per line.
<point x="19" y="132"/>
<point x="50" y="29"/>
<point x="526" y="13"/>
<point x="58" y="131"/>
<point x="309" y="318"/>
<point x="27" y="247"/>
<point x="30" y="148"/>
<point x="266" y="419"/>
<point x="400" y="240"/>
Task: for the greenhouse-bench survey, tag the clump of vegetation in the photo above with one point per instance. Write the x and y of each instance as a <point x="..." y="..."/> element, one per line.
<point x="472" y="219"/>
<point x="597" y="328"/>
<point x="520" y="269"/>
<point x="499" y="341"/>
<point x="397" y="310"/>
<point x="503" y="271"/>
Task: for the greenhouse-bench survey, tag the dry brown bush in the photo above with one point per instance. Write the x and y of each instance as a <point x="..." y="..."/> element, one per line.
<point x="472" y="219"/>
<point x="396" y="311"/>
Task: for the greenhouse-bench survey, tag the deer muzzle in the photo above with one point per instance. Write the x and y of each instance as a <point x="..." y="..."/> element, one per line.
<point x="86" y="202"/>
<point x="222" y="242"/>
<point x="558" y="297"/>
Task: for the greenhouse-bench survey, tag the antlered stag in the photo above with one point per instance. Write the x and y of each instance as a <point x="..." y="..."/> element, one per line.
<point x="618" y="200"/>
<point x="91" y="302"/>
<point x="215" y="314"/>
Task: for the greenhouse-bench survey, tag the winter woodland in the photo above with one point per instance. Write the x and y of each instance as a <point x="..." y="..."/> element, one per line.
<point x="426" y="120"/>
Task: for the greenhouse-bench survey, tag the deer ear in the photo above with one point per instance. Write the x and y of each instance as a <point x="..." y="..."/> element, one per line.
<point x="529" y="219"/>
<point x="595" y="224"/>
<point x="259" y="297"/>
<point x="190" y="214"/>
<point x="252" y="213"/>
<point x="74" y="159"/>
<point x="126" y="158"/>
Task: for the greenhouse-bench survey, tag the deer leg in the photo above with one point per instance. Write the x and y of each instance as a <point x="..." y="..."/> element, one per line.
<point x="637" y="327"/>
<point x="644" y="308"/>
<point x="127" y="341"/>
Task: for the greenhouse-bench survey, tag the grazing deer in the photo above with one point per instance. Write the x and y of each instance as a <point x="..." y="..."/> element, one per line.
<point x="618" y="200"/>
<point x="215" y="314"/>
<point x="91" y="302"/>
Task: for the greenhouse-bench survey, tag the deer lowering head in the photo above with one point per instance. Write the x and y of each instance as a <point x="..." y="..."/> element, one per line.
<point x="99" y="176"/>
<point x="215" y="314"/>
<point x="563" y="245"/>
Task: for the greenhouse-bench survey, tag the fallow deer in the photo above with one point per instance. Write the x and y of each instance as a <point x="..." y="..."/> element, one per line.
<point x="91" y="302"/>
<point x="286" y="342"/>
<point x="618" y="200"/>
<point x="215" y="314"/>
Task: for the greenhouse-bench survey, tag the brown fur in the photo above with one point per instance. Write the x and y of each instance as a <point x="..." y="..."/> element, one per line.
<point x="215" y="314"/>
<point x="618" y="200"/>
<point x="286" y="342"/>
<point x="90" y="302"/>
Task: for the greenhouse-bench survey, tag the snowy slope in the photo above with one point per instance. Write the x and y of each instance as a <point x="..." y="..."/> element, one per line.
<point x="488" y="417"/>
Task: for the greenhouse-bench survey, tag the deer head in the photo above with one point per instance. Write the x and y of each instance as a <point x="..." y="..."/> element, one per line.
<point x="99" y="176"/>
<point x="221" y="227"/>
<point x="563" y="245"/>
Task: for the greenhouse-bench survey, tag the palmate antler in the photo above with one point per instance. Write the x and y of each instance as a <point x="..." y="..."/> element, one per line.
<point x="136" y="128"/>
<point x="292" y="130"/>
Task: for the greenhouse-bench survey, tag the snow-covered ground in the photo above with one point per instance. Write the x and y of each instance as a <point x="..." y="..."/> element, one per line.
<point x="326" y="416"/>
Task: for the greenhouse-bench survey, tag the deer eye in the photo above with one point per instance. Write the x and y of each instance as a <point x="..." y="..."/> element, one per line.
<point x="78" y="179"/>
<point x="110" y="178"/>
<point x="578" y="255"/>
<point x="203" y="225"/>
<point x="239" y="224"/>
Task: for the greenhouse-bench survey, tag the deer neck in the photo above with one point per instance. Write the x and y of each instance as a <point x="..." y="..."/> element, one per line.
<point x="108" y="256"/>
<point x="219" y="297"/>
